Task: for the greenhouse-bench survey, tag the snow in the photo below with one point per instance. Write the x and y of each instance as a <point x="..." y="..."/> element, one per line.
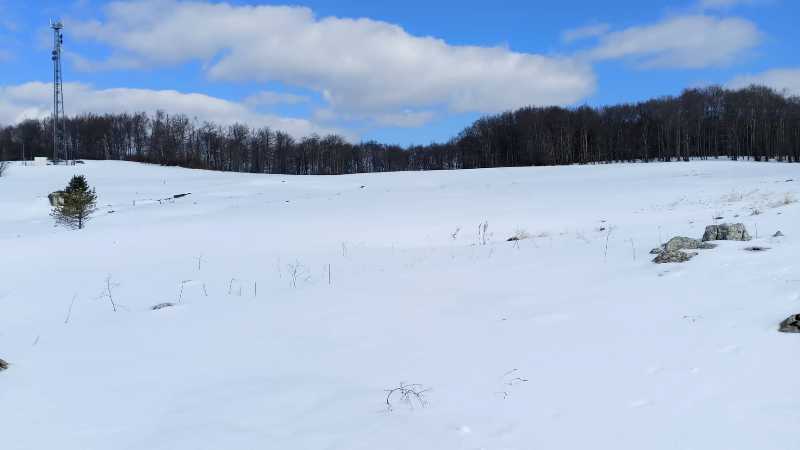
<point x="570" y="339"/>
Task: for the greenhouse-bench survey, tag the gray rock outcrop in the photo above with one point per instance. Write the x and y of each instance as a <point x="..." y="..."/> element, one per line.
<point x="682" y="243"/>
<point x="726" y="232"/>
<point x="56" y="198"/>
<point x="791" y="325"/>
<point x="674" y="256"/>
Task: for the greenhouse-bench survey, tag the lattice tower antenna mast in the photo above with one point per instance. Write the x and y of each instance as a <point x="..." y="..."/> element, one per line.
<point x="60" y="152"/>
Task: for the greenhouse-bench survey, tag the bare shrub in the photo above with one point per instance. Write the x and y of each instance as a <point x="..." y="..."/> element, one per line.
<point x="483" y="233"/>
<point x="3" y="167"/>
<point x="297" y="271"/>
<point x="108" y="292"/>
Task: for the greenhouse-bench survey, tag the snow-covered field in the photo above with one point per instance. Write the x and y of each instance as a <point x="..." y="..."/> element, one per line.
<point x="302" y="299"/>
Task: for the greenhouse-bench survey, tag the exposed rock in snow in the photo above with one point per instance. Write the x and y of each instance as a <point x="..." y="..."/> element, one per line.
<point x="162" y="306"/>
<point x="674" y="256"/>
<point x="778" y="234"/>
<point x="791" y="325"/>
<point x="682" y="243"/>
<point x="726" y="232"/>
<point x="56" y="198"/>
<point x="3" y="365"/>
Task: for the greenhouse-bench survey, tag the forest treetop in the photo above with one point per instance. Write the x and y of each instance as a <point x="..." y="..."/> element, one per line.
<point x="754" y="122"/>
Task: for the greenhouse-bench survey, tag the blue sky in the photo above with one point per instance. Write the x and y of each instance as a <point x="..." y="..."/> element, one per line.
<point x="399" y="72"/>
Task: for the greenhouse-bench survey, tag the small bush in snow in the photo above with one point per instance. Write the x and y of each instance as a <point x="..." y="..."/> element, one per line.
<point x="3" y="167"/>
<point x="3" y="365"/>
<point x="76" y="205"/>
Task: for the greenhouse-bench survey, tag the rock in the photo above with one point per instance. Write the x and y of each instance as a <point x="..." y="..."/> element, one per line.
<point x="162" y="306"/>
<point x="682" y="243"/>
<point x="3" y="365"/>
<point x="791" y="325"/>
<point x="726" y="232"/>
<point x="778" y="234"/>
<point x="675" y="256"/>
<point x="685" y="243"/>
<point x="756" y="248"/>
<point x="56" y="198"/>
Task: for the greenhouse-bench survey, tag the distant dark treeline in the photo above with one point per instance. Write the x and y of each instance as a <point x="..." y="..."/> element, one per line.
<point x="756" y="123"/>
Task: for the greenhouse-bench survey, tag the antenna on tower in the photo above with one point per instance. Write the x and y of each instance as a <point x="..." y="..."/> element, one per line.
<point x="60" y="152"/>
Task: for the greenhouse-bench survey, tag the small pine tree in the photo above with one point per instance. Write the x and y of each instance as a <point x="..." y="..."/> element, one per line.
<point x="77" y="205"/>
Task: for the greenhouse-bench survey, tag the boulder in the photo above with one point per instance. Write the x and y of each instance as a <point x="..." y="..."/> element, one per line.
<point x="56" y="198"/>
<point x="675" y="256"/>
<point x="791" y="325"/>
<point x="3" y="365"/>
<point x="778" y="234"/>
<point x="726" y="232"/>
<point x="682" y="243"/>
<point x="162" y="306"/>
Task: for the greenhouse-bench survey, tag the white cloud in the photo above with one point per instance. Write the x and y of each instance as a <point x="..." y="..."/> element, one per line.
<point x="782" y="80"/>
<point x="359" y="66"/>
<point x="681" y="42"/>
<point x="725" y="4"/>
<point x="406" y="119"/>
<point x="275" y="98"/>
<point x="34" y="101"/>
<point x="589" y="31"/>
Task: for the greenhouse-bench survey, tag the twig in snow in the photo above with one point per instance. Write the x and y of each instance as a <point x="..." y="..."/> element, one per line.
<point x="69" y="310"/>
<point x="230" y="286"/>
<point x="409" y="394"/>
<point x="296" y="271"/>
<point x="483" y="237"/>
<point x="108" y="292"/>
<point x="180" y="293"/>
<point x="633" y="248"/>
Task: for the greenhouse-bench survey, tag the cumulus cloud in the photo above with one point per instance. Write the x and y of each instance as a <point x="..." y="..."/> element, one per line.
<point x="691" y="42"/>
<point x="589" y="31"/>
<point x="782" y="80"/>
<point x="359" y="66"/>
<point x="34" y="101"/>
<point x="275" y="98"/>
<point x="724" y="4"/>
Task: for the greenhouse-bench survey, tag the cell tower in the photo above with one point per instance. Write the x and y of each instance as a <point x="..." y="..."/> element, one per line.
<point x="59" y="146"/>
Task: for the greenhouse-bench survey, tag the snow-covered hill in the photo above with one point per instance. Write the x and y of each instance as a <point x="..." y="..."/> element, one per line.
<point x="301" y="300"/>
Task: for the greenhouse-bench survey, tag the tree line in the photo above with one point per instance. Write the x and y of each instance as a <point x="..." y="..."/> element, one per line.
<point x="756" y="123"/>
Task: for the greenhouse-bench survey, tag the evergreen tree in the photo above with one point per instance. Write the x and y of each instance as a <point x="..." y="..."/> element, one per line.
<point x="76" y="205"/>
